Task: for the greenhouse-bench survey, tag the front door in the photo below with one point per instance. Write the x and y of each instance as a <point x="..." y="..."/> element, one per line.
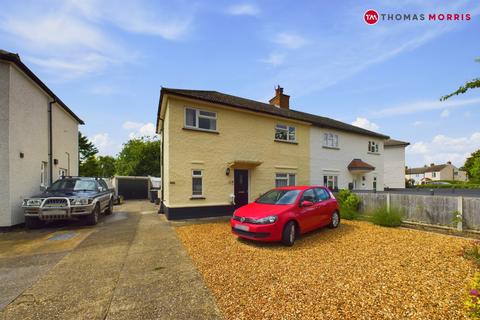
<point x="241" y="188"/>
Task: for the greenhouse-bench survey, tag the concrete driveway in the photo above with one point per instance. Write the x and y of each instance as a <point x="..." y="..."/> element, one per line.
<point x="130" y="266"/>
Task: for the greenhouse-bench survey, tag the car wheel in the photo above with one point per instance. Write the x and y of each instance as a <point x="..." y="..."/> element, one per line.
<point x="33" y="223"/>
<point x="289" y="234"/>
<point x="335" y="220"/>
<point x="92" y="218"/>
<point x="109" y="209"/>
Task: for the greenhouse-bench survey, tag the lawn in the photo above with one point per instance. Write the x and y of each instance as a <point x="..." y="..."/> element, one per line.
<point x="358" y="271"/>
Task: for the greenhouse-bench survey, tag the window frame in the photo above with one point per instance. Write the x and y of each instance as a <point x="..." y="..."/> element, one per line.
<point x="288" y="178"/>
<point x="330" y="178"/>
<point x="287" y="130"/>
<point x="197" y="176"/>
<point x="373" y="146"/>
<point x="330" y="137"/>
<point x="44" y="174"/>
<point x="198" y="116"/>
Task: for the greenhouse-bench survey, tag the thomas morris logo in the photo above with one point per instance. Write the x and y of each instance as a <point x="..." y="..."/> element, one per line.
<point x="372" y="17"/>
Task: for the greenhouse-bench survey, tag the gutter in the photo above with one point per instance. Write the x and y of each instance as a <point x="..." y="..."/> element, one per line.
<point x="50" y="142"/>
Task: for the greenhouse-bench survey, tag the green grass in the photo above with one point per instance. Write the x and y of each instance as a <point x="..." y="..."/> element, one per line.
<point x="383" y="217"/>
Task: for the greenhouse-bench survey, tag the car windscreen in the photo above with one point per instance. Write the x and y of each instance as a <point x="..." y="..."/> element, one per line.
<point x="73" y="185"/>
<point x="279" y="197"/>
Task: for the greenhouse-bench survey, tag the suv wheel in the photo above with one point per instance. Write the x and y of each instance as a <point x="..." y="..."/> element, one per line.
<point x="109" y="209"/>
<point x="289" y="234"/>
<point x="33" y="223"/>
<point x="92" y="218"/>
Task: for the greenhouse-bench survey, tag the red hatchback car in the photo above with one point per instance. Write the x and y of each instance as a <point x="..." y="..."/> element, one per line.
<point x="284" y="213"/>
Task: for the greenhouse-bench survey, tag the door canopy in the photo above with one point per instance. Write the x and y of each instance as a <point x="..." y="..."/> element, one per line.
<point x="357" y="166"/>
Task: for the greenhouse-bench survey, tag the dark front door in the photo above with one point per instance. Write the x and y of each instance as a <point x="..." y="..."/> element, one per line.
<point x="241" y="188"/>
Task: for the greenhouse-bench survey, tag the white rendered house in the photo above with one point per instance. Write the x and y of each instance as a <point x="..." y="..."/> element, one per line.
<point x="38" y="137"/>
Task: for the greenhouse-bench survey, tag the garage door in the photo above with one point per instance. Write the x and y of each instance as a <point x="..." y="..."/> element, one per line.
<point x="133" y="188"/>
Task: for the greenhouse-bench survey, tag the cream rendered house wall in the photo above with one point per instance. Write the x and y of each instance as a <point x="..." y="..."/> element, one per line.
<point x="326" y="161"/>
<point x="242" y="136"/>
<point x="5" y="217"/>
<point x="394" y="167"/>
<point x="28" y="121"/>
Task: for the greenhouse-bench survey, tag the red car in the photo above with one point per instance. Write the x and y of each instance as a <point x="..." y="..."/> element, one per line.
<point x="284" y="213"/>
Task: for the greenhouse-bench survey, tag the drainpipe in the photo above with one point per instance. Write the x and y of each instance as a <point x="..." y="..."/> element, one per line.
<point x="50" y="142"/>
<point x="68" y="164"/>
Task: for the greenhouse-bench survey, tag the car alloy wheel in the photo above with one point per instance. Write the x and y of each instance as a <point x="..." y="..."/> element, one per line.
<point x="335" y="220"/>
<point x="95" y="214"/>
<point x="292" y="234"/>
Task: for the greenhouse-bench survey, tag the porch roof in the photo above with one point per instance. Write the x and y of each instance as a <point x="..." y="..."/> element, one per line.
<point x="358" y="166"/>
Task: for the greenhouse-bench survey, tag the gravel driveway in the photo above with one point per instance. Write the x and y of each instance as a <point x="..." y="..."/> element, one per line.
<point x="358" y="271"/>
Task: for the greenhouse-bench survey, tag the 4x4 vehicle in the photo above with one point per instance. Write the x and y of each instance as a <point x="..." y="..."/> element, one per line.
<point x="69" y="198"/>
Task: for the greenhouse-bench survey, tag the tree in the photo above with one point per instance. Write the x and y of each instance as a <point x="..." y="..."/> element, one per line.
<point x="139" y="157"/>
<point x="472" y="84"/>
<point x="106" y="166"/>
<point x="86" y="149"/>
<point x="90" y="167"/>
<point x="472" y="166"/>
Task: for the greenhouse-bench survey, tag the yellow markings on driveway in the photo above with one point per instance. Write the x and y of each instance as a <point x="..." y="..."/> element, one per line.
<point x="25" y="243"/>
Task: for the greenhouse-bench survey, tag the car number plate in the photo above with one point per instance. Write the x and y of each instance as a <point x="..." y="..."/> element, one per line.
<point x="54" y="213"/>
<point x="242" y="227"/>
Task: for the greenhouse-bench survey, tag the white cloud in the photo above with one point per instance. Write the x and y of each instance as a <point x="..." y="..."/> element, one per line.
<point x="420" y="106"/>
<point x="441" y="149"/>
<point x="247" y="9"/>
<point x="140" y="129"/>
<point x="103" y="142"/>
<point x="75" y="38"/>
<point x="418" y="123"/>
<point x="365" y="124"/>
<point x="290" y="40"/>
<point x="275" y="59"/>
<point x="445" y="113"/>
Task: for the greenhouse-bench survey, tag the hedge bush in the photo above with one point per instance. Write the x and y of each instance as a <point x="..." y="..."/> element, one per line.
<point x="387" y="218"/>
<point x="349" y="203"/>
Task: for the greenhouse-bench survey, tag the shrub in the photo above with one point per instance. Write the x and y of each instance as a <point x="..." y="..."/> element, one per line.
<point x="349" y="203"/>
<point x="386" y="218"/>
<point x="472" y="252"/>
<point x="472" y="302"/>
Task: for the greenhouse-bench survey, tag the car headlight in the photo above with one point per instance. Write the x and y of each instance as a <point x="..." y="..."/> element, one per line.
<point x="32" y="202"/>
<point x="266" y="220"/>
<point x="80" y="201"/>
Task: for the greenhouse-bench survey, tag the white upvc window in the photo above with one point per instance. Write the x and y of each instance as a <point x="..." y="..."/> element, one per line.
<point x="330" y="181"/>
<point x="44" y="174"/>
<point x="372" y="146"/>
<point x="330" y="140"/>
<point x="200" y="119"/>
<point x="285" y="179"/>
<point x="197" y="183"/>
<point x="285" y="133"/>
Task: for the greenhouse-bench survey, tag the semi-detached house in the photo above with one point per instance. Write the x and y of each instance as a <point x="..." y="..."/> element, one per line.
<point x="220" y="151"/>
<point x="38" y="137"/>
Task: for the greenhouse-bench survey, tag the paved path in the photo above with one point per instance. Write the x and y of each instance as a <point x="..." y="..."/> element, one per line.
<point x="132" y="266"/>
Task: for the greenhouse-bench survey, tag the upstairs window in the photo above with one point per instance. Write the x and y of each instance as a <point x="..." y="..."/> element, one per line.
<point x="330" y="140"/>
<point x="285" y="133"/>
<point x="199" y="119"/>
<point x="372" y="146"/>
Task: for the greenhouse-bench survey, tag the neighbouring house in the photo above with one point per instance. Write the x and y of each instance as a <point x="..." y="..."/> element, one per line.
<point x="221" y="151"/>
<point x="426" y="174"/>
<point x="38" y="137"/>
<point x="394" y="177"/>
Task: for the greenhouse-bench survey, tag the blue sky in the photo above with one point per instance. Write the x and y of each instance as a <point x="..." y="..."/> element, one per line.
<point x="108" y="61"/>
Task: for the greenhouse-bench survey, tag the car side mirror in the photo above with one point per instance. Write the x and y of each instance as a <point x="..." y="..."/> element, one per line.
<point x="306" y="204"/>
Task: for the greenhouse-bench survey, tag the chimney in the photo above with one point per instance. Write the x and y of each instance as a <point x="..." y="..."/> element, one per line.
<point x="432" y="164"/>
<point x="280" y="100"/>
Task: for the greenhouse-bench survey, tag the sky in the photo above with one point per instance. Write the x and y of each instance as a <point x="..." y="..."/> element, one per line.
<point x="108" y="61"/>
